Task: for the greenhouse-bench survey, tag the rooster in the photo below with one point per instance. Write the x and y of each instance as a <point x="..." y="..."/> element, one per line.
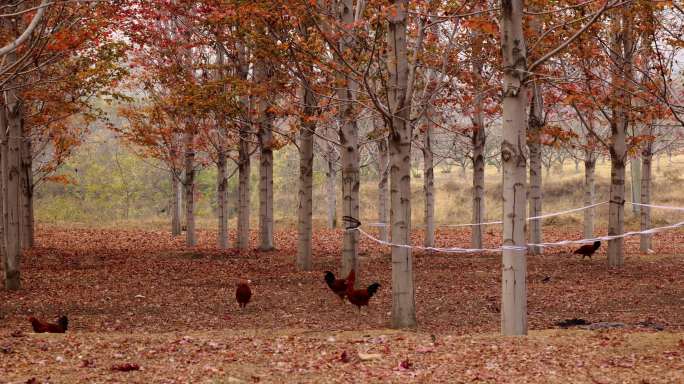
<point x="243" y="293"/>
<point x="338" y="286"/>
<point x="587" y="249"/>
<point x="43" y="327"/>
<point x="360" y="297"/>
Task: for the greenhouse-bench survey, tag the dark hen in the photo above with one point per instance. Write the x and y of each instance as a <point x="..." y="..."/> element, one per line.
<point x="243" y="293"/>
<point x="588" y="250"/>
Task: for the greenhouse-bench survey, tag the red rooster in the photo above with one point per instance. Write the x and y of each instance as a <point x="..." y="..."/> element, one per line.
<point x="338" y="286"/>
<point x="243" y="293"/>
<point x="45" y="327"/>
<point x="360" y="297"/>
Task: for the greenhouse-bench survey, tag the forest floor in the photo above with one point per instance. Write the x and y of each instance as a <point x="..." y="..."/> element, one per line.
<point x="142" y="298"/>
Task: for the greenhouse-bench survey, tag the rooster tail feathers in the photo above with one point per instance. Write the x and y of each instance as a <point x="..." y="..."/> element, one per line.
<point x="372" y="289"/>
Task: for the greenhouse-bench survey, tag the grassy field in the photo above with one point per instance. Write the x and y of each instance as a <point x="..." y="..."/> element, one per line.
<point x="140" y="297"/>
<point x="562" y="190"/>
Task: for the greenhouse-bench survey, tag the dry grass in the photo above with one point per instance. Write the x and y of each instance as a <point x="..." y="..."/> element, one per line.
<point x="562" y="189"/>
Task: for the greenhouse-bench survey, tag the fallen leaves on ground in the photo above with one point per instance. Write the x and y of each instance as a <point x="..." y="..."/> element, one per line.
<point x="140" y="296"/>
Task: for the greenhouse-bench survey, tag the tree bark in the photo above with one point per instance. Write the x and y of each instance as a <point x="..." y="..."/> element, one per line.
<point x="222" y="197"/>
<point x="189" y="184"/>
<point x="176" y="204"/>
<point x="621" y="54"/>
<point x="331" y="193"/>
<point x="383" y="190"/>
<point x="27" y="221"/>
<point x="646" y="175"/>
<point x="535" y="124"/>
<point x="244" y="172"/>
<point x="428" y="186"/>
<point x="306" y="157"/>
<point x="12" y="181"/>
<point x="514" y="162"/>
<point x="589" y="193"/>
<point x="478" y="214"/>
<point x="635" y="171"/>
<point x="265" y="136"/>
<point x="349" y="140"/>
<point x="3" y="189"/>
<point x="266" y="183"/>
<point x="399" y="96"/>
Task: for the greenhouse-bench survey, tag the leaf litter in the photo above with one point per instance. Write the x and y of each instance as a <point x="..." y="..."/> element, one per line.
<point x="141" y="298"/>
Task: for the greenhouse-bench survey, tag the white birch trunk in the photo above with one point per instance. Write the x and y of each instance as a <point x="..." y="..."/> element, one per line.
<point x="535" y="125"/>
<point x="189" y="184"/>
<point x="514" y="164"/>
<point x="266" y="185"/>
<point x="12" y="182"/>
<point x="428" y="186"/>
<point x="349" y="141"/>
<point x="27" y="230"/>
<point x="478" y="214"/>
<point x="478" y="141"/>
<point x="265" y="137"/>
<point x="621" y="52"/>
<point x="176" y="204"/>
<point x="244" y="161"/>
<point x="222" y="197"/>
<point x="383" y="188"/>
<point x="589" y="195"/>
<point x="331" y="193"/>
<point x="244" y="173"/>
<point x="646" y="175"/>
<point x="635" y="171"/>
<point x="399" y="96"/>
<point x="306" y="157"/>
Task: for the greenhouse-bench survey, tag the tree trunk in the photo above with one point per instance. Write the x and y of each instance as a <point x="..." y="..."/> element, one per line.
<point x="589" y="193"/>
<point x="189" y="183"/>
<point x="616" y="210"/>
<point x="266" y="185"/>
<point x="635" y="171"/>
<point x="306" y="157"/>
<point x="403" y="290"/>
<point x="478" y="214"/>
<point x="621" y="52"/>
<point x="27" y="230"/>
<point x="222" y="196"/>
<point x="429" y="187"/>
<point x="3" y="189"/>
<point x="176" y="204"/>
<point x="331" y="193"/>
<point x="265" y="136"/>
<point x="514" y="263"/>
<point x="349" y="140"/>
<point x="244" y="171"/>
<point x="535" y="125"/>
<point x="647" y="159"/>
<point x="12" y="182"/>
<point x="350" y="192"/>
<point x="383" y="192"/>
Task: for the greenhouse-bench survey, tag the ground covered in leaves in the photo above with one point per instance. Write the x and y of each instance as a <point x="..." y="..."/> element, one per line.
<point x="140" y="301"/>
